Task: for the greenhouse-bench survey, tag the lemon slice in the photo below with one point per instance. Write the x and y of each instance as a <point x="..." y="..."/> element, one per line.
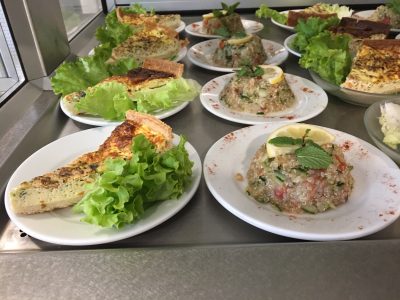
<point x="239" y="41"/>
<point x="208" y="16"/>
<point x="317" y="134"/>
<point x="273" y="74"/>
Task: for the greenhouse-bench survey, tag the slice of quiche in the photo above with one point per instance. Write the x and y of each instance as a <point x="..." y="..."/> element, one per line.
<point x="171" y="20"/>
<point x="376" y="68"/>
<point x="153" y="73"/>
<point x="66" y="185"/>
<point x="152" y="42"/>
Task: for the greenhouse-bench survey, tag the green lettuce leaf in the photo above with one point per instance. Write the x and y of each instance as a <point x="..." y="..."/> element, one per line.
<point x="306" y="29"/>
<point x="394" y="5"/>
<point x="328" y="55"/>
<point x="125" y="189"/>
<point x="87" y="71"/>
<point x="266" y="12"/>
<point x="111" y="100"/>
<point x="113" y="32"/>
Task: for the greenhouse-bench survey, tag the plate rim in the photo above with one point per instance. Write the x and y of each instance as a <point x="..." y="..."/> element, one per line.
<point x="286" y="42"/>
<point x="213" y="36"/>
<point x="194" y="61"/>
<point x="276" y="229"/>
<point x="119" y="235"/>
<point x="324" y="95"/>
<point x="98" y="121"/>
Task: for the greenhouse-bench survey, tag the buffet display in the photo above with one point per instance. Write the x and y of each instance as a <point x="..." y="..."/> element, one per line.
<point x="293" y="179"/>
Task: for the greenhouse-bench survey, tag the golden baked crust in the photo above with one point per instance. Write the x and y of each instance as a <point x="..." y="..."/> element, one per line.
<point x="66" y="185"/>
<point x="376" y="68"/>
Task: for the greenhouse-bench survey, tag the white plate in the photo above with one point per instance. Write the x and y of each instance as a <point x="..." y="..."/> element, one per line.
<point x="181" y="27"/>
<point x="398" y="36"/>
<point x="288" y="45"/>
<point x="287" y="27"/>
<point x="65" y="228"/>
<point x="201" y="54"/>
<point x="311" y="100"/>
<point x="365" y="14"/>
<point x="98" y="121"/>
<point x="181" y="54"/>
<point x="196" y="28"/>
<point x="373" y="204"/>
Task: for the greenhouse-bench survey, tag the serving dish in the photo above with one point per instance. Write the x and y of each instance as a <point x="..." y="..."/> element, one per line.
<point x="365" y="14"/>
<point x="288" y="43"/>
<point x="98" y="121"/>
<point x="373" y="204"/>
<point x="196" y="28"/>
<point x="371" y="122"/>
<point x="311" y="100"/>
<point x="351" y="96"/>
<point x="201" y="53"/>
<point x="65" y="228"/>
<point x="287" y="27"/>
<point x="181" y="27"/>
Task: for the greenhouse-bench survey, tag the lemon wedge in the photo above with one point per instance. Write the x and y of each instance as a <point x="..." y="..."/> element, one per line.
<point x="239" y="41"/>
<point x="317" y="134"/>
<point x="208" y="16"/>
<point x="273" y="74"/>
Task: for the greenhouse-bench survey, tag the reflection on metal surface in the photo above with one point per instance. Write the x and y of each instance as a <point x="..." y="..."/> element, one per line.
<point x="14" y="239"/>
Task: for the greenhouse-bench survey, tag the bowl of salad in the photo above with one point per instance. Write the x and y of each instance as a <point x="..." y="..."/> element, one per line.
<point x="382" y="121"/>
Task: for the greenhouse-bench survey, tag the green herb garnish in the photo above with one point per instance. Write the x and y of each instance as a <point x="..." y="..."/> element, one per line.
<point x="309" y="154"/>
<point x="226" y="10"/>
<point x="250" y="71"/>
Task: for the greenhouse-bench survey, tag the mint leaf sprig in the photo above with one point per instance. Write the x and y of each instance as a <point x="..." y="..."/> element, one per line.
<point x="226" y="10"/>
<point x="250" y="71"/>
<point x="309" y="154"/>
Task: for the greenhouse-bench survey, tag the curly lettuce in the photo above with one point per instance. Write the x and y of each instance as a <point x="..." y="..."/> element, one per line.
<point x="310" y="27"/>
<point x="394" y="5"/>
<point x="328" y="55"/>
<point x="110" y="100"/>
<point x="126" y="188"/>
<point x="266" y="12"/>
<point x="78" y="75"/>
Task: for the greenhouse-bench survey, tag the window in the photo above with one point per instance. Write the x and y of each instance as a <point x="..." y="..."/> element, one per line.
<point x="11" y="74"/>
<point x="78" y="13"/>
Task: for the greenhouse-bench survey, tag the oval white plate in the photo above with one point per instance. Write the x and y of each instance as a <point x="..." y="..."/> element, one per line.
<point x="98" y="121"/>
<point x="201" y="53"/>
<point x="311" y="100"/>
<point x="373" y="204"/>
<point x="65" y="228"/>
<point x="181" y="54"/>
<point x="287" y="27"/>
<point x="365" y="14"/>
<point x="181" y="27"/>
<point x="288" y="45"/>
<point x="196" y="28"/>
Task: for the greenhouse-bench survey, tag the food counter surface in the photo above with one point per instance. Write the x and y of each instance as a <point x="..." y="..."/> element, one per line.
<point x="203" y="251"/>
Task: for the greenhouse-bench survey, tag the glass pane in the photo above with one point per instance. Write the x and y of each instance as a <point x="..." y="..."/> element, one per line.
<point x="11" y="74"/>
<point x="78" y="13"/>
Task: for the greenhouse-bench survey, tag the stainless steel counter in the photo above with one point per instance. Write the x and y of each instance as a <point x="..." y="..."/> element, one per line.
<point x="203" y="251"/>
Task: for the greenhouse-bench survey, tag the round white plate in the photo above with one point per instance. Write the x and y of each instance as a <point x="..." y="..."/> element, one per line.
<point x="311" y="100"/>
<point x="196" y="28"/>
<point x="181" y="54"/>
<point x="181" y="27"/>
<point x="398" y="36"/>
<point x="287" y="27"/>
<point x="288" y="45"/>
<point x="65" y="228"/>
<point x="98" y="121"/>
<point x="201" y="54"/>
<point x="373" y="204"/>
<point x="365" y="14"/>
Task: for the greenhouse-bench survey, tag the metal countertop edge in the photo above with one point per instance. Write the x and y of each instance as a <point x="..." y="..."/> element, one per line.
<point x="331" y="270"/>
